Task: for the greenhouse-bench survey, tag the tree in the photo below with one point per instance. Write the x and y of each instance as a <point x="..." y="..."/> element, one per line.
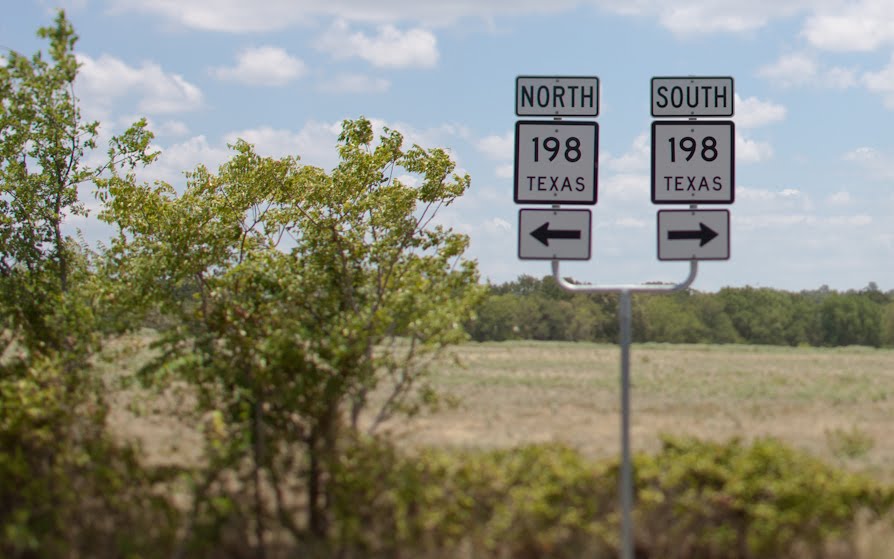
<point x="46" y="297"/>
<point x="851" y="319"/>
<point x="68" y="489"/>
<point x="312" y="290"/>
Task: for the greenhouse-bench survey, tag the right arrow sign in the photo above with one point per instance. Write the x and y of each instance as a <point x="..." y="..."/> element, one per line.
<point x="693" y="235"/>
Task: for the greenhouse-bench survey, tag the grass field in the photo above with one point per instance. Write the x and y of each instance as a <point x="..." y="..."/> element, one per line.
<point x="836" y="403"/>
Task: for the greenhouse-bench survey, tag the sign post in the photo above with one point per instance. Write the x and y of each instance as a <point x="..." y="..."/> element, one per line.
<point x="556" y="162"/>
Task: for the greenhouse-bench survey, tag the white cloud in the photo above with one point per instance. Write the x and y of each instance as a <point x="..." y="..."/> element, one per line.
<point x="183" y="156"/>
<point x="262" y="66"/>
<point x="626" y="187"/>
<point x="497" y="225"/>
<point x="862" y="154"/>
<point x="631" y="223"/>
<point x="240" y="16"/>
<point x="878" y="165"/>
<point x="840" y="78"/>
<point x="882" y="82"/>
<point x="391" y="48"/>
<point x="103" y="80"/>
<point x="791" y="70"/>
<point x="683" y="17"/>
<point x="751" y="151"/>
<point x="500" y="148"/>
<point x="861" y="25"/>
<point x="800" y="69"/>
<point x="356" y="83"/>
<point x="841" y="198"/>
<point x="315" y="143"/>
<point x="764" y="195"/>
<point x="638" y="158"/>
<point x="505" y="171"/>
<point x="752" y="112"/>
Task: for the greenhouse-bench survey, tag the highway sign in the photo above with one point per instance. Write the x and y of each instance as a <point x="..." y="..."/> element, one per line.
<point x="693" y="162"/>
<point x="555" y="162"/>
<point x="693" y="235"/>
<point x="557" y="96"/>
<point x="554" y="234"/>
<point x="692" y="96"/>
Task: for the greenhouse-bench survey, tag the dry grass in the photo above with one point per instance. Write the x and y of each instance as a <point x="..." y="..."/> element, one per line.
<point x="836" y="403"/>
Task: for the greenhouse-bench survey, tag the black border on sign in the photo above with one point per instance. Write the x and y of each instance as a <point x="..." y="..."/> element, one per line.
<point x="553" y="123"/>
<point x="732" y="160"/>
<point x="575" y="115"/>
<point x="658" y="235"/>
<point x="551" y="210"/>
<point x="717" y="115"/>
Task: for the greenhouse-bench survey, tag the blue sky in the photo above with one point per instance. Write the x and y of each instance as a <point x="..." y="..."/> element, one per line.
<point x="814" y="87"/>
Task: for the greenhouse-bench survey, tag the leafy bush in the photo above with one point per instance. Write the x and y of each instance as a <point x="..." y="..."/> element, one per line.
<point x="67" y="489"/>
<point x="703" y="499"/>
<point x="694" y="499"/>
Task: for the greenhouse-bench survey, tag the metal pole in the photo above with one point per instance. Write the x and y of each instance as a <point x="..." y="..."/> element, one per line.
<point x="625" y="318"/>
<point x="626" y="481"/>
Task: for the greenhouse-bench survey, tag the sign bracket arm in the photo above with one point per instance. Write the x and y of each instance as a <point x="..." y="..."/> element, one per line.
<point x="632" y="288"/>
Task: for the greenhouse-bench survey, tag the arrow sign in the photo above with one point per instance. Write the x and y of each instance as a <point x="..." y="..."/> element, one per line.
<point x="536" y="228"/>
<point x="709" y="227"/>
<point x="544" y="234"/>
<point x="704" y="234"/>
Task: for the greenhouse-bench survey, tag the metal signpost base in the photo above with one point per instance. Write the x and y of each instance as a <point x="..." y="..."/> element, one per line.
<point x="625" y="318"/>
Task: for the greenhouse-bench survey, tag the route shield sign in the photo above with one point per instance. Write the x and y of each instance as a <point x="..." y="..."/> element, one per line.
<point x="554" y="234"/>
<point x="693" y="235"/>
<point x="693" y="162"/>
<point x="556" y="162"/>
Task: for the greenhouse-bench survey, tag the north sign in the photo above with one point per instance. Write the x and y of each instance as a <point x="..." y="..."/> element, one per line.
<point x="554" y="234"/>
<point x="692" y="97"/>
<point x="693" y="235"/>
<point x="556" y="162"/>
<point x="576" y="96"/>
<point x="693" y="162"/>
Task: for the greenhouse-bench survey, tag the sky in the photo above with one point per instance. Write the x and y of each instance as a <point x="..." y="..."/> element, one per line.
<point x="814" y="106"/>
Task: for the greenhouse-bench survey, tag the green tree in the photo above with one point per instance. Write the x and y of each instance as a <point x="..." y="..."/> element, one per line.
<point x="67" y="489"/>
<point x="311" y="290"/>
<point x="761" y="315"/>
<point x="851" y="319"/>
<point x="46" y="296"/>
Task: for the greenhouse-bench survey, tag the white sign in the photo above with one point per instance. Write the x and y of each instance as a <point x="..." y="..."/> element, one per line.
<point x="555" y="162"/>
<point x="692" y="96"/>
<point x="557" y="96"/>
<point x="693" y="235"/>
<point x="554" y="234"/>
<point x="693" y="162"/>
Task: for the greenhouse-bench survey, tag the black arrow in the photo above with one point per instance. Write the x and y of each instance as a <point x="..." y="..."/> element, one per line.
<point x="705" y="234"/>
<point x="544" y="234"/>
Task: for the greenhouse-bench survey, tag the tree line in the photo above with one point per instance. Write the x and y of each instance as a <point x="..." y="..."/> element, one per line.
<point x="538" y="309"/>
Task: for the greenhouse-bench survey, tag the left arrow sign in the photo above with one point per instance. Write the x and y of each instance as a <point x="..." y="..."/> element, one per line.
<point x="544" y="234"/>
<point x="554" y="234"/>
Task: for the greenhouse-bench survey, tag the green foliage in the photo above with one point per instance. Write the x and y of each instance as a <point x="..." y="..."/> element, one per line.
<point x="539" y="310"/>
<point x="850" y="319"/>
<point x="704" y="499"/>
<point x="309" y="290"/>
<point x="42" y="146"/>
<point x="694" y="499"/>
<point x="537" y="501"/>
<point x="68" y="490"/>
